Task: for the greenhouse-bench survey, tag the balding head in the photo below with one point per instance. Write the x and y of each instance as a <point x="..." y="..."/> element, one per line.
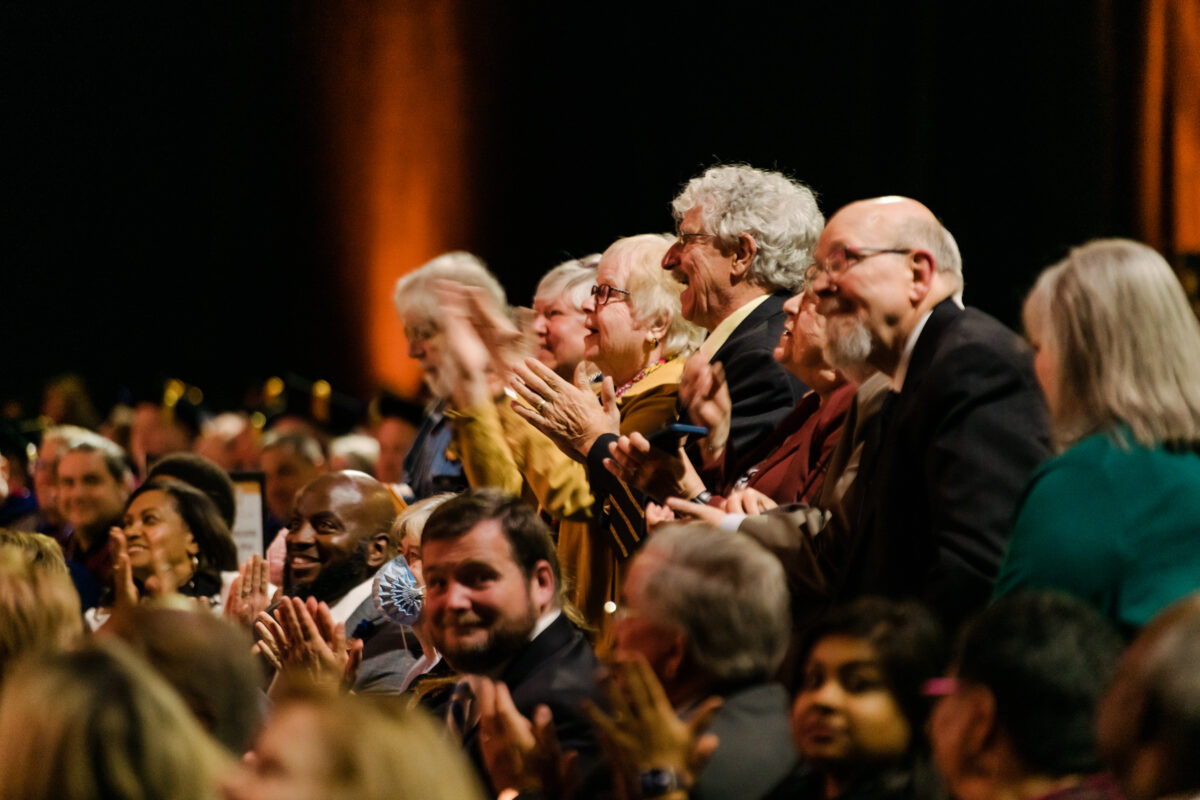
<point x="338" y="533"/>
<point x="1148" y="723"/>
<point x="880" y="265"/>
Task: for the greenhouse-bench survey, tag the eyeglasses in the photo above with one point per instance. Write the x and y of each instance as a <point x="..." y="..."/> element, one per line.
<point x="846" y="258"/>
<point x="603" y="293"/>
<point x="686" y="238"/>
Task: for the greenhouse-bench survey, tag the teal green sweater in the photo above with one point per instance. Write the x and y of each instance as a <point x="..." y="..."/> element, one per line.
<point x="1119" y="528"/>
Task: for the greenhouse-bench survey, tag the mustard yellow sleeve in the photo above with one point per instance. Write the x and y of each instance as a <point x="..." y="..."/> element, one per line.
<point x="483" y="446"/>
<point x="559" y="483"/>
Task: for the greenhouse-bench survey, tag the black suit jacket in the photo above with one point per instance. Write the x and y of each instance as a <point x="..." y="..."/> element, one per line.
<point x="762" y="391"/>
<point x="557" y="669"/>
<point x="940" y="478"/>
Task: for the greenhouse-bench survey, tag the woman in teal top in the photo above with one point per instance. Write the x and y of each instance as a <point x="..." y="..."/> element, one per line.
<point x="1115" y="518"/>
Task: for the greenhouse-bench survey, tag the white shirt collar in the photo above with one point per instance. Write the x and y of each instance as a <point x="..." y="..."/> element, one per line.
<point x="342" y="609"/>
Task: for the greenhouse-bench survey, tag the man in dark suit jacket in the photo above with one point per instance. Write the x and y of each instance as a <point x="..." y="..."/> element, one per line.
<point x="963" y="426"/>
<point x="745" y="237"/>
<point x="493" y="602"/>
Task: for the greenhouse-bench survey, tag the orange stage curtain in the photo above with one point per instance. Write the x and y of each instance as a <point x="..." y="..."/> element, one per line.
<point x="393" y="82"/>
<point x="1169" y="174"/>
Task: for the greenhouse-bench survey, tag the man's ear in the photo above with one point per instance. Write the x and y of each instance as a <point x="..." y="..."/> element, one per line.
<point x="743" y="255"/>
<point x="542" y="587"/>
<point x="379" y="549"/>
<point x="924" y="268"/>
<point x="675" y="653"/>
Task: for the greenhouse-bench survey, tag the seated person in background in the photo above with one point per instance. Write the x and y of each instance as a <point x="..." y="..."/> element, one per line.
<point x="198" y="471"/>
<point x="55" y="442"/>
<point x="558" y="315"/>
<point x="493" y="603"/>
<point x="289" y="461"/>
<point x="394" y="424"/>
<point x="141" y="740"/>
<point x="432" y="465"/>
<point x="859" y="716"/>
<point x="172" y="540"/>
<point x="318" y="746"/>
<point x="355" y="451"/>
<point x="1148" y="723"/>
<point x="639" y="340"/>
<point x="338" y="536"/>
<point x="1114" y="518"/>
<point x="744" y="239"/>
<point x="1015" y="718"/>
<point x="708" y="610"/>
<point x="93" y="482"/>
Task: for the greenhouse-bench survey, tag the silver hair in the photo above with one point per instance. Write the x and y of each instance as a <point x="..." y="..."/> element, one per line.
<point x="572" y="279"/>
<point x="726" y="593"/>
<point x="416" y="292"/>
<point x="781" y="215"/>
<point x="653" y="293"/>
<point x="1126" y="341"/>
<point x="115" y="460"/>
<point x="931" y="235"/>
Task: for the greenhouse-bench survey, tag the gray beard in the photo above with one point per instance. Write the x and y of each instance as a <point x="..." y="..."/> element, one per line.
<point x="848" y="345"/>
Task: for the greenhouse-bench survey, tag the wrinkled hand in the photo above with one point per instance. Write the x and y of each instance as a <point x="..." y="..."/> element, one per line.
<point x="249" y="593"/>
<point x="704" y="393"/>
<point x="656" y="472"/>
<point x="748" y="501"/>
<point x="303" y="638"/>
<point x="569" y="415"/>
<point x="688" y="511"/>
<point x="641" y="730"/>
<point x="518" y="753"/>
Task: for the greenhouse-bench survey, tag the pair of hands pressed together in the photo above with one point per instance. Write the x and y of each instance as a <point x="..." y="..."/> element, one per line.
<point x="640" y="731"/>
<point x="302" y="638"/>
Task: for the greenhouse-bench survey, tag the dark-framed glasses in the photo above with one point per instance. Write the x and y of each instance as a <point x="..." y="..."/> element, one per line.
<point x="603" y="293"/>
<point x="846" y="258"/>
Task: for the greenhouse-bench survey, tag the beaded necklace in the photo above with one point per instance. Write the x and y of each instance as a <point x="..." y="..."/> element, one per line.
<point x="626" y="386"/>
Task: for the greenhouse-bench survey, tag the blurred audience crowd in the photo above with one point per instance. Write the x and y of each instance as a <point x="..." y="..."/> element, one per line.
<point x="759" y="508"/>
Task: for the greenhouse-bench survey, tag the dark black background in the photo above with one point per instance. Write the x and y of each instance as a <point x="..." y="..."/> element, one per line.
<point x="167" y="207"/>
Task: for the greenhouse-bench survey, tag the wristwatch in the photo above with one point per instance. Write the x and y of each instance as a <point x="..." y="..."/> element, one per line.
<point x="660" y="781"/>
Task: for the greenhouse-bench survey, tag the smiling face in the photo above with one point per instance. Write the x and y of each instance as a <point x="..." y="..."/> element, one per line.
<point x="705" y="272"/>
<point x="616" y="340"/>
<point x="802" y="342"/>
<point x="326" y="527"/>
<point x="89" y="496"/>
<point x="152" y="520"/>
<point x="480" y="607"/>
<point x="871" y="304"/>
<point x="844" y="715"/>
<point x="560" y="330"/>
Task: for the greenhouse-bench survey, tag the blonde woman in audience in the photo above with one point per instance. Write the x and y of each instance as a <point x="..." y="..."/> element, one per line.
<point x="322" y="747"/>
<point x="99" y="724"/>
<point x="1113" y="518"/>
<point x="39" y="607"/>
